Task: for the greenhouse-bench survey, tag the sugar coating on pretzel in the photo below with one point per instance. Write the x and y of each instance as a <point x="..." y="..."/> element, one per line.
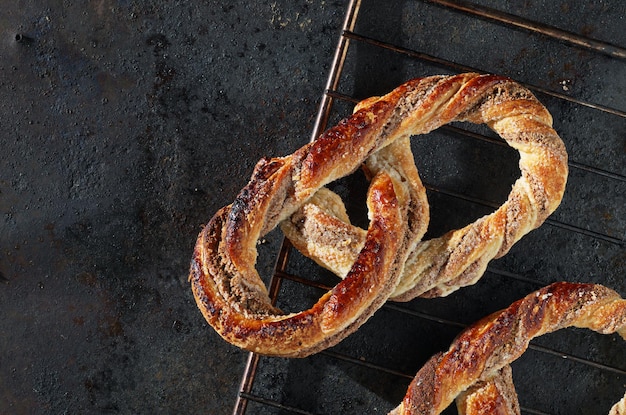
<point x="484" y="348"/>
<point x="440" y="266"/>
<point x="232" y="296"/>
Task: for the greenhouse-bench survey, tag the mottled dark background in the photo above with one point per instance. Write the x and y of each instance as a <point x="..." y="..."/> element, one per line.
<point x="126" y="124"/>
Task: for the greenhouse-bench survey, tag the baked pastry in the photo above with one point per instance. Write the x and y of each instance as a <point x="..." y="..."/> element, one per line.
<point x="232" y="296"/>
<point x="229" y="291"/>
<point x="483" y="349"/>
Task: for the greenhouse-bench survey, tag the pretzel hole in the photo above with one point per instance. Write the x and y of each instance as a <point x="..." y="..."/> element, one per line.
<point x="353" y="191"/>
<point x="268" y="248"/>
<point x="468" y="174"/>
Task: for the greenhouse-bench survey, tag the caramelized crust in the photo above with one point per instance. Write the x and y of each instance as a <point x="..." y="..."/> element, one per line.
<point x="389" y="260"/>
<point x="240" y="310"/>
<point x="376" y="263"/>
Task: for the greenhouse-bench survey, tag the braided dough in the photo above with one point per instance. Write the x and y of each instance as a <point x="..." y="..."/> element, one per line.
<point x="387" y="259"/>
<point x="482" y="350"/>
<point x="495" y="396"/>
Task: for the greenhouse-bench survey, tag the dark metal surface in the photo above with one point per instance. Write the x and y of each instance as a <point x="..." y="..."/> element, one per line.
<point x="127" y="124"/>
<point x="124" y="126"/>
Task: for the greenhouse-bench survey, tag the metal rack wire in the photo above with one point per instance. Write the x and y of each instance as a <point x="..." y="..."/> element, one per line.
<point x="387" y="376"/>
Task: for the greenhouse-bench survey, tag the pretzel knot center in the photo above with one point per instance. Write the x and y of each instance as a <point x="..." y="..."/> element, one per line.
<point x="389" y="260"/>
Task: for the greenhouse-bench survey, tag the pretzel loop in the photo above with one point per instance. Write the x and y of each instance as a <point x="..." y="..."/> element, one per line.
<point x="387" y="259"/>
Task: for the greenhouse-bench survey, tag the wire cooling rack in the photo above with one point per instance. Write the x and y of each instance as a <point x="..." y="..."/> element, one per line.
<point x="567" y="53"/>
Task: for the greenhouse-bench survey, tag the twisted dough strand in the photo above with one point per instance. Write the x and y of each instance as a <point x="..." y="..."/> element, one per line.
<point x="241" y="312"/>
<point x="495" y="396"/>
<point x="481" y="350"/>
<point x="232" y="296"/>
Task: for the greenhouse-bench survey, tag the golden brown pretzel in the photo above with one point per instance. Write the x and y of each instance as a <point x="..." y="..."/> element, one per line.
<point x="481" y="350"/>
<point x="229" y="291"/>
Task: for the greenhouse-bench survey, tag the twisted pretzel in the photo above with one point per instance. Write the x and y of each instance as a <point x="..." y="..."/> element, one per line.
<point x="483" y="349"/>
<point x="229" y="291"/>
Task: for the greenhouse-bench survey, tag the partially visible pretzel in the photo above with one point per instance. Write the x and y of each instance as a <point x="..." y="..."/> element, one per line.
<point x="229" y="291"/>
<point x="483" y="349"/>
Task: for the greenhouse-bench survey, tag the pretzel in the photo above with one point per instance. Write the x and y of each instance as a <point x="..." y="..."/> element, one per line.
<point x="483" y="349"/>
<point x="232" y="296"/>
<point x="497" y="396"/>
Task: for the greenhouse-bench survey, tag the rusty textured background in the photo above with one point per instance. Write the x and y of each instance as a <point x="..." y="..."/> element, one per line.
<point x="126" y="124"/>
